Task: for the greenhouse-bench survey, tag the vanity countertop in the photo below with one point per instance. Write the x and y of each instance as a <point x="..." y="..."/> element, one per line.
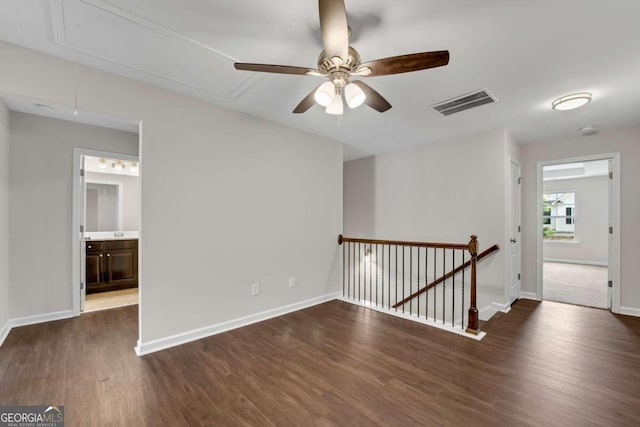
<point x="111" y="235"/>
<point x="101" y="239"/>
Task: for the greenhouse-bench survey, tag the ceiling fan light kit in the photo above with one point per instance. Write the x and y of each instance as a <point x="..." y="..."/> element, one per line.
<point x="336" y="107"/>
<point x="325" y="94"/>
<point x="354" y="96"/>
<point x="339" y="62"/>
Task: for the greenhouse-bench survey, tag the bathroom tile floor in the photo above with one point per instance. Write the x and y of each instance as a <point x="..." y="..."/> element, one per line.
<point x="105" y="300"/>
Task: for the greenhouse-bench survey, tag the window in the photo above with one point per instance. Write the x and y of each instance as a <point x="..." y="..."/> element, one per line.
<point x="558" y="216"/>
<point x="546" y="215"/>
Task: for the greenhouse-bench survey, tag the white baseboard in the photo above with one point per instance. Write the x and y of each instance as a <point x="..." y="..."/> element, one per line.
<point x="4" y="332"/>
<point x="630" y="311"/>
<point x="529" y="295"/>
<point x="40" y="318"/>
<point x="573" y="261"/>
<point x="490" y="310"/>
<point x="32" y="320"/>
<point x="207" y="331"/>
<point x="447" y="327"/>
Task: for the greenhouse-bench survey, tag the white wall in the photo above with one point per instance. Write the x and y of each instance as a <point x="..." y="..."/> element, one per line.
<point x="359" y="197"/>
<point x="40" y="208"/>
<point x="4" y="217"/>
<point x="592" y="219"/>
<point x="441" y="192"/>
<point x="624" y="141"/>
<point x="130" y="196"/>
<point x="227" y="199"/>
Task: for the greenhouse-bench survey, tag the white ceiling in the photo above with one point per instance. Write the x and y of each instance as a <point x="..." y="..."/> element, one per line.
<point x="525" y="52"/>
<point x="66" y="113"/>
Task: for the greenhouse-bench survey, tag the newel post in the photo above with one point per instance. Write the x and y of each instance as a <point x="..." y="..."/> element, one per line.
<point x="472" y="327"/>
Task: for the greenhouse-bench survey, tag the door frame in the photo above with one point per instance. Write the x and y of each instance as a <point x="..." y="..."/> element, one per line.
<point x="518" y="219"/>
<point x="614" y="209"/>
<point x="75" y="218"/>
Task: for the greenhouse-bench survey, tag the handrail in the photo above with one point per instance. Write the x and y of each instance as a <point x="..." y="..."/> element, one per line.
<point x="461" y="246"/>
<point x="446" y="276"/>
<point x="471" y="247"/>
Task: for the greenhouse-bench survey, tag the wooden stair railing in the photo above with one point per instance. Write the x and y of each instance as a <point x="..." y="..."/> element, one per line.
<point x="458" y="269"/>
<point x="360" y="255"/>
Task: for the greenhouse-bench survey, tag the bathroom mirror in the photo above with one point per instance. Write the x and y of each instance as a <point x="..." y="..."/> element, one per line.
<point x="104" y="207"/>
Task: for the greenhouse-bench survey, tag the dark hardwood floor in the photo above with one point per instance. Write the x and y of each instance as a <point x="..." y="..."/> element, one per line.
<point x="336" y="364"/>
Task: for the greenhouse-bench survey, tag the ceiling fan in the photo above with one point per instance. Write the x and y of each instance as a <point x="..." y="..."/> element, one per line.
<point x="339" y="62"/>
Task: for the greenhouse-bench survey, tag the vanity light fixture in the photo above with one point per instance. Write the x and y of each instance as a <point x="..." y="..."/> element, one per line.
<point x="571" y="102"/>
<point x="118" y="165"/>
<point x="134" y="166"/>
<point x="102" y="163"/>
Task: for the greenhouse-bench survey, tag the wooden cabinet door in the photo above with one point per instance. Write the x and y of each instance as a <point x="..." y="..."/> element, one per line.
<point x="95" y="269"/>
<point x="122" y="267"/>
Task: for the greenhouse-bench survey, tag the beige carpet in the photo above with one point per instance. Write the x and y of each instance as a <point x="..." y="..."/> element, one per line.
<point x="112" y="299"/>
<point x="575" y="284"/>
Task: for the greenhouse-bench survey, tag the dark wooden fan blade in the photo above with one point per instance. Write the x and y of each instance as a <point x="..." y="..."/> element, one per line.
<point x="334" y="28"/>
<point x="407" y="63"/>
<point x="306" y="103"/>
<point x="280" y="69"/>
<point x="374" y="99"/>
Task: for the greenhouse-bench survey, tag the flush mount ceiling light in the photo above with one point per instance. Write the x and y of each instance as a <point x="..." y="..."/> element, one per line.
<point x="571" y="102"/>
<point x="589" y="130"/>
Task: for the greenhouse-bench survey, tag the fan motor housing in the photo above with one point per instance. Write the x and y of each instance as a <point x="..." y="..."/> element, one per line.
<point x="327" y="65"/>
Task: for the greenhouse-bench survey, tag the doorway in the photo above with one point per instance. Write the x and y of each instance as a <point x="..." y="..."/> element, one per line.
<point x="578" y="204"/>
<point x="107" y="203"/>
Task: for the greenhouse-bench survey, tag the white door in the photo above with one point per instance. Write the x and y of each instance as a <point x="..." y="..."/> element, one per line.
<point x="514" y="229"/>
<point x="82" y="208"/>
<point x="610" y="235"/>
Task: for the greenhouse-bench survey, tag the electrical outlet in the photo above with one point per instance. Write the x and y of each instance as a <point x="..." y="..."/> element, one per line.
<point x="255" y="289"/>
<point x="292" y="282"/>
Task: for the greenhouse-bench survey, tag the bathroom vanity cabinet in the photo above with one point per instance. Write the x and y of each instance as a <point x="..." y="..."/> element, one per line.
<point x="111" y="265"/>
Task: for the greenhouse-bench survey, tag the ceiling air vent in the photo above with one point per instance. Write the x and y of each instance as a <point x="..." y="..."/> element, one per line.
<point x="464" y="102"/>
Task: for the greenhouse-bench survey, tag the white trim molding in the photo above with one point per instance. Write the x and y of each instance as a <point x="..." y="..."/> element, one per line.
<point x="490" y="310"/>
<point x="629" y="311"/>
<point x="529" y="295"/>
<point x="4" y="332"/>
<point x="32" y="320"/>
<point x="40" y="318"/>
<point x="152" y="346"/>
